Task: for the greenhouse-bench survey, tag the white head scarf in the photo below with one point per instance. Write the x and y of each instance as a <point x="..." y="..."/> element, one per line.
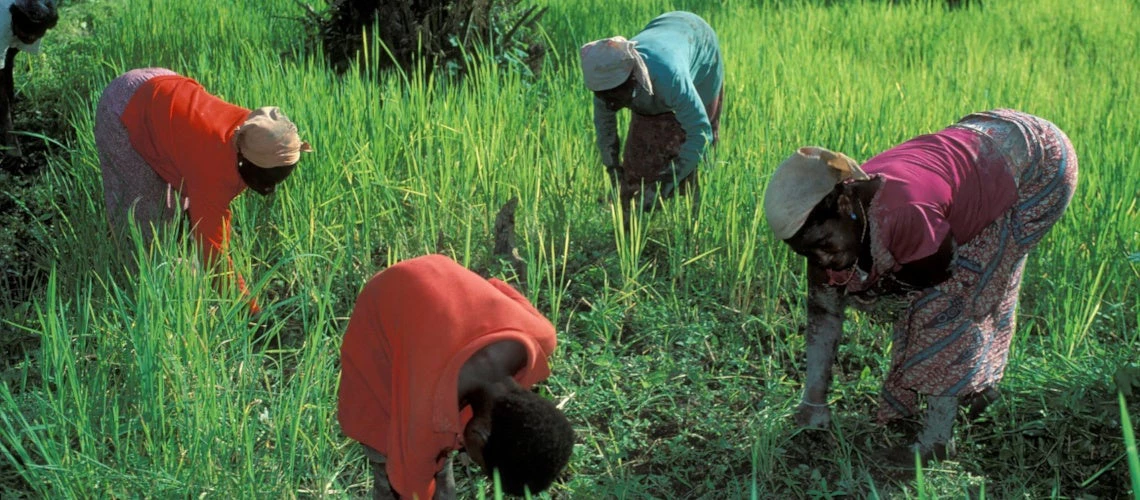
<point x="800" y="183"/>
<point x="269" y="139"/>
<point x="607" y="63"/>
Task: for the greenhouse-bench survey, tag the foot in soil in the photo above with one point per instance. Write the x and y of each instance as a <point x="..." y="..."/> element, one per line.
<point x="902" y="457"/>
<point x="808" y="442"/>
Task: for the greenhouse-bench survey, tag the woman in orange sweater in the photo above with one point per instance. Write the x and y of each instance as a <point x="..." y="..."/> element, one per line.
<point x="166" y="145"/>
<point x="438" y="359"/>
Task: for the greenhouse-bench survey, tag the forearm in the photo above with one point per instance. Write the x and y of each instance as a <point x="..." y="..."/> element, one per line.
<point x="212" y="235"/>
<point x="824" y="329"/>
<point x="605" y="128"/>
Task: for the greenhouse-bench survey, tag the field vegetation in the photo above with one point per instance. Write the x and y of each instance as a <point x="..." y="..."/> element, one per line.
<point x="681" y="340"/>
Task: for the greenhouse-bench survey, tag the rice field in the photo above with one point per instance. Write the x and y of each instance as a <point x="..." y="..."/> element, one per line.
<point x="681" y="342"/>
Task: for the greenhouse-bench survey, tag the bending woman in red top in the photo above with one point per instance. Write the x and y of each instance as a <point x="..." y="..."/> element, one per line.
<point x="943" y="221"/>
<point x="165" y="145"/>
<point x="438" y="359"/>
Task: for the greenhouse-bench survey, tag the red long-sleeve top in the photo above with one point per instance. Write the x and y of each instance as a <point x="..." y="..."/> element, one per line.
<point x="184" y="133"/>
<point x="413" y="327"/>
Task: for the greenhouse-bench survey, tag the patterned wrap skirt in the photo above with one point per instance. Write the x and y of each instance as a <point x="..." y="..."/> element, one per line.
<point x="953" y="339"/>
<point x="129" y="183"/>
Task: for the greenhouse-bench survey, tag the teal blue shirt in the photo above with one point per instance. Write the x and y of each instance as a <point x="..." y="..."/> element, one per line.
<point x="683" y="58"/>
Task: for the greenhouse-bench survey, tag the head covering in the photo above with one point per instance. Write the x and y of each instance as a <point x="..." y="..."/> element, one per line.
<point x="37" y="11"/>
<point x="268" y="139"/>
<point x="607" y="63"/>
<point x="800" y="183"/>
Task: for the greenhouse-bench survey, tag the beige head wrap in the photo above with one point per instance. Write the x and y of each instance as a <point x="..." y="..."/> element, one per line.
<point x="607" y="63"/>
<point x="268" y="139"/>
<point x="800" y="183"/>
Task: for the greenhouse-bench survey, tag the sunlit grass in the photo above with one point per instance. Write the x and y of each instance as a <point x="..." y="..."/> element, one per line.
<point x="680" y="350"/>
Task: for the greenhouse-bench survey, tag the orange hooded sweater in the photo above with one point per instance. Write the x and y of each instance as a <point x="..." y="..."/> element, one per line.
<point x="413" y="327"/>
<point x="184" y="134"/>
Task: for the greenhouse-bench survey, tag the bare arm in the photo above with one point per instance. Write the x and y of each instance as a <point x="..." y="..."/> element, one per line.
<point x="605" y="128"/>
<point x="824" y="329"/>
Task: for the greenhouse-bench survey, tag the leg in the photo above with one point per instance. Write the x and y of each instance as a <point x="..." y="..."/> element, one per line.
<point x="504" y="238"/>
<point x="934" y="442"/>
<point x="445" y="482"/>
<point x="616" y="175"/>
<point x="130" y="186"/>
<point x="9" y="63"/>
<point x="824" y="328"/>
<point x="937" y="436"/>
<point x="381" y="488"/>
<point x="976" y="403"/>
<point x="7" y="98"/>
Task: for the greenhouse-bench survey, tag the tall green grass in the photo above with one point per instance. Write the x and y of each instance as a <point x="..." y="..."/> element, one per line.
<point x="680" y="349"/>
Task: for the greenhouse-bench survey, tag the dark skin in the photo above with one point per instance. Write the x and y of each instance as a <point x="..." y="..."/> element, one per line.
<point x="28" y="29"/>
<point x="837" y="237"/>
<point x="488" y="374"/>
<point x="263" y="181"/>
<point x="616" y="99"/>
<point x="619" y="97"/>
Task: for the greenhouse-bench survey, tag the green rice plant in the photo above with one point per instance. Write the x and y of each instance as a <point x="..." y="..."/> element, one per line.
<point x="1130" y="446"/>
<point x="630" y="242"/>
<point x="679" y="339"/>
<point x="546" y="273"/>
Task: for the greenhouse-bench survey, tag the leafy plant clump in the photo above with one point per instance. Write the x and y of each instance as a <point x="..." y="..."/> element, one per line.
<point x="439" y="34"/>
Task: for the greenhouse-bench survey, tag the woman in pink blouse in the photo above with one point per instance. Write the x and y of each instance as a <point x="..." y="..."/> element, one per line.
<point x="943" y="221"/>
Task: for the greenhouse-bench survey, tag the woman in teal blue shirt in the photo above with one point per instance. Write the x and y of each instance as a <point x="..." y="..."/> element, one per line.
<point x="671" y="78"/>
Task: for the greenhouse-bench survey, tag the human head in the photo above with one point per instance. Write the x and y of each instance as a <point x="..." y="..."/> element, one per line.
<point x="32" y="18"/>
<point x="618" y="97"/>
<point x="812" y="203"/>
<point x="832" y="236"/>
<point x="613" y="62"/>
<point x="263" y="181"/>
<point x="522" y="435"/>
<point x="268" y="148"/>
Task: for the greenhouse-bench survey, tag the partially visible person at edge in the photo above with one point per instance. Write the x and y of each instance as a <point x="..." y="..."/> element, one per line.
<point x="671" y="77"/>
<point x="23" y="24"/>
<point x="438" y="359"/>
<point x="943" y="222"/>
<point x="166" y="145"/>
